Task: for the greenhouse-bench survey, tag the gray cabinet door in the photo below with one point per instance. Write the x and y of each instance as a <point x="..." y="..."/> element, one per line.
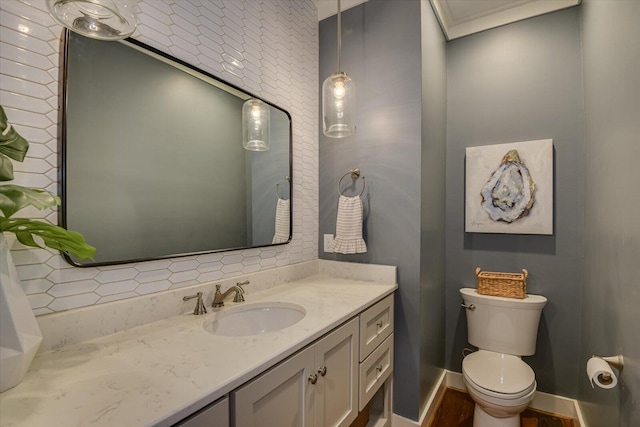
<point x="283" y="396"/>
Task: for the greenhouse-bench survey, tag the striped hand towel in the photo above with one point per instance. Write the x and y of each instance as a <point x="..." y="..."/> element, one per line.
<point x="282" y="221"/>
<point x="349" y="227"/>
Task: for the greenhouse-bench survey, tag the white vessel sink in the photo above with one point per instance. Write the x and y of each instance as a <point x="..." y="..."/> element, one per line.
<point x="255" y="319"/>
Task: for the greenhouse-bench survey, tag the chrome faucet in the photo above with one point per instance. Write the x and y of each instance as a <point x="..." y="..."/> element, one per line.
<point x="218" y="298"/>
<point x="200" y="308"/>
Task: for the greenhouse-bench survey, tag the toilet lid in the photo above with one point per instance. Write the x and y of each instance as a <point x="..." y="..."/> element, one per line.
<point x="500" y="373"/>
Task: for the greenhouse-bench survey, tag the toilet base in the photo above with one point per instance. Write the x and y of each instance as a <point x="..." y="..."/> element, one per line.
<point x="491" y="411"/>
<point x="482" y="419"/>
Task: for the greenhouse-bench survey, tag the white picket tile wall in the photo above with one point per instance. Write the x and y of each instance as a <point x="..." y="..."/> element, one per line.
<point x="269" y="47"/>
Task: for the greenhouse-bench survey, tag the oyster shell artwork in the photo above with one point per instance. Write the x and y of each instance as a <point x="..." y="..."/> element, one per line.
<point x="510" y="192"/>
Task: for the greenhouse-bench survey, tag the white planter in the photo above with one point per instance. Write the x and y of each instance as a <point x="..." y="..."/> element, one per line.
<point x="20" y="335"/>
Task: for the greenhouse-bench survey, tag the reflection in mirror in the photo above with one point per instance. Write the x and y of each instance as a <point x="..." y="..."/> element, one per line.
<point x="153" y="160"/>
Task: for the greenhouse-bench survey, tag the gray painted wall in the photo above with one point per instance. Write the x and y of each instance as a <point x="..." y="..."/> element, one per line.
<point x="381" y="44"/>
<point x="432" y="230"/>
<point x="517" y="83"/>
<point x="611" y="317"/>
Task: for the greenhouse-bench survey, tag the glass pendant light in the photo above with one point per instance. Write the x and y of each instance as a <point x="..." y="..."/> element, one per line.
<point x="338" y="99"/>
<point x="97" y="19"/>
<point x="256" y="125"/>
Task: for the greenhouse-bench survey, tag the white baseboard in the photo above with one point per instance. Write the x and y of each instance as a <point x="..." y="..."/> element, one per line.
<point x="454" y="380"/>
<point x="429" y="406"/>
<point x="579" y="418"/>
<point x="555" y="404"/>
<point x="542" y="401"/>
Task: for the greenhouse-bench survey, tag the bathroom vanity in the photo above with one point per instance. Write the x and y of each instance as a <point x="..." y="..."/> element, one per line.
<point x="327" y="372"/>
<point x="322" y="369"/>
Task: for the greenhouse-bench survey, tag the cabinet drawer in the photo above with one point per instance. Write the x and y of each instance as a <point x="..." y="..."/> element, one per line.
<point x="376" y="324"/>
<point x="375" y="370"/>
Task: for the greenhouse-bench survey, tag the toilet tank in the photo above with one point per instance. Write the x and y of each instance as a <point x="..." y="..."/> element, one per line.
<point x="503" y="325"/>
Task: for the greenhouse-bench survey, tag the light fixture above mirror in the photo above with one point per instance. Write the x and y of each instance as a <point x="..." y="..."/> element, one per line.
<point x="97" y="19"/>
<point x="338" y="98"/>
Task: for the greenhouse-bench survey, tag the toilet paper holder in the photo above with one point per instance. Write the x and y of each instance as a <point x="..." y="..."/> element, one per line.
<point x="616" y="361"/>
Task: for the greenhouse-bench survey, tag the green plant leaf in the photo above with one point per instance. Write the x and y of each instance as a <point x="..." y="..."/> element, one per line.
<point x="52" y="236"/>
<point x="15" y="197"/>
<point x="11" y="143"/>
<point x="6" y="168"/>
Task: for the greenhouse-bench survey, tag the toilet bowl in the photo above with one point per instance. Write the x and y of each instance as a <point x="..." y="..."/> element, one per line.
<point x="501" y="385"/>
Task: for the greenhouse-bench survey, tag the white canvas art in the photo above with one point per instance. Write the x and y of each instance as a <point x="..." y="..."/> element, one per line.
<point x="509" y="188"/>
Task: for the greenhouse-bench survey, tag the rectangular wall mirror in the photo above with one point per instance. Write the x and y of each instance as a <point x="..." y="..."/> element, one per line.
<point x="153" y="164"/>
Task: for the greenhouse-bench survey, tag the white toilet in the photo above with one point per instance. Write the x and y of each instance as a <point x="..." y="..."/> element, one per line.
<point x="498" y="380"/>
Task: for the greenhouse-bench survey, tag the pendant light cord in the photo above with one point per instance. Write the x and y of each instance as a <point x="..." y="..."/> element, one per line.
<point x="339" y="35"/>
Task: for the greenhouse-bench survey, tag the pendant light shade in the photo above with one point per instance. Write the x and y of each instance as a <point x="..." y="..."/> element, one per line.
<point x="97" y="19"/>
<point x="338" y="99"/>
<point x="256" y="125"/>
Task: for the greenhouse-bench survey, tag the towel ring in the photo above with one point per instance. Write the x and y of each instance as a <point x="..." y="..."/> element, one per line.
<point x="355" y="174"/>
<point x="278" y="186"/>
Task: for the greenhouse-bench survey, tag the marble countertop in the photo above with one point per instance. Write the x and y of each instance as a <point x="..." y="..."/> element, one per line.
<point x="158" y="374"/>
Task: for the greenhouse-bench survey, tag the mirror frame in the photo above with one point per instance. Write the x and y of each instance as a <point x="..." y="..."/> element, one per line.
<point x="62" y="148"/>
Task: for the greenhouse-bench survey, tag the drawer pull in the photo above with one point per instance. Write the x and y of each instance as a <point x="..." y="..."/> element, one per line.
<point x="379" y="368"/>
<point x="322" y="371"/>
<point x="313" y="378"/>
<point x="380" y="324"/>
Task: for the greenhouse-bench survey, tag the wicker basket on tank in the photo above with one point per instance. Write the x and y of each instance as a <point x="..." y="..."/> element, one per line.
<point x="508" y="285"/>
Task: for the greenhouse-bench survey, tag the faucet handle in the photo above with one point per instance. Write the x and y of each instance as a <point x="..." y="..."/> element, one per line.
<point x="200" y="308"/>
<point x="241" y="284"/>
<point x="218" y="288"/>
<point x="240" y="291"/>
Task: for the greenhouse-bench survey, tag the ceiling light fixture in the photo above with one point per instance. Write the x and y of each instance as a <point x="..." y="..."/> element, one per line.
<point x="338" y="99"/>
<point x="97" y="19"/>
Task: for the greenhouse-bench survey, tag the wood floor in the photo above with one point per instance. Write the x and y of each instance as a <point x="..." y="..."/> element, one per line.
<point x="456" y="410"/>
